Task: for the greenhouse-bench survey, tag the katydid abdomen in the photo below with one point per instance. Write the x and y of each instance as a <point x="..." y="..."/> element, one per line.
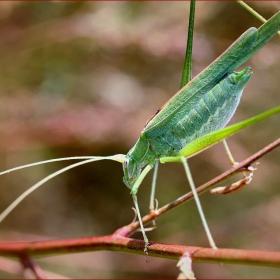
<point x="209" y="112"/>
<point x="212" y="112"/>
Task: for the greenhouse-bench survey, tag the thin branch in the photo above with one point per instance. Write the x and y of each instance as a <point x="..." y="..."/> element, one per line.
<point x="128" y="245"/>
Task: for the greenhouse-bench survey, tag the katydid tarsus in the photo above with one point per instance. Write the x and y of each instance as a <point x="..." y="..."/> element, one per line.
<point x="191" y="120"/>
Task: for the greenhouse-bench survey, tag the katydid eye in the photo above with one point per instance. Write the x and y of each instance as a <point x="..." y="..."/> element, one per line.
<point x="126" y="162"/>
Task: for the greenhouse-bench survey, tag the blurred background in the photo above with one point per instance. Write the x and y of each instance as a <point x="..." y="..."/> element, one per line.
<point x="81" y="79"/>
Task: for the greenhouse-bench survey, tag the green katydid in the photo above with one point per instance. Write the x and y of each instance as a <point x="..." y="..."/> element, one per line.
<point x="204" y="105"/>
<point x="165" y="136"/>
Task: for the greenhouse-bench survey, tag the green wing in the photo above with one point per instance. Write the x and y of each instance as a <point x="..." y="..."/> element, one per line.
<point x="240" y="51"/>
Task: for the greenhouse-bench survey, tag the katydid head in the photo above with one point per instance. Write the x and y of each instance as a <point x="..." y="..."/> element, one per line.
<point x="135" y="171"/>
<point x="139" y="156"/>
<point x="130" y="170"/>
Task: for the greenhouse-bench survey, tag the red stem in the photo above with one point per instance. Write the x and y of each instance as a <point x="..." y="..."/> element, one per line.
<point x="128" y="245"/>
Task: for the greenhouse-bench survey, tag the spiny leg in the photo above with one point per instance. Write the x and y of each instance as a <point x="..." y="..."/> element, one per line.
<point x="202" y="216"/>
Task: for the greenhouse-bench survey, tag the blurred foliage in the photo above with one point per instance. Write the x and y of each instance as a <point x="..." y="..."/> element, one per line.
<point x="82" y="78"/>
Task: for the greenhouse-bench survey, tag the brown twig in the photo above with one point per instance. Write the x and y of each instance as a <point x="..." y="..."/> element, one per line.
<point x="115" y="242"/>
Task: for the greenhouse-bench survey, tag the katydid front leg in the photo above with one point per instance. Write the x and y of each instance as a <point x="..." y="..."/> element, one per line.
<point x="133" y="192"/>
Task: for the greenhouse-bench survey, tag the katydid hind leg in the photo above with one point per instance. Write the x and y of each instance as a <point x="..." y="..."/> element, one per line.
<point x="229" y="154"/>
<point x="198" y="204"/>
<point x="238" y="185"/>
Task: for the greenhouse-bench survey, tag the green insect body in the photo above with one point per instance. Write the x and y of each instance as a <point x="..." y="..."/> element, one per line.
<point x="191" y="113"/>
<point x="209" y="112"/>
<point x="194" y="117"/>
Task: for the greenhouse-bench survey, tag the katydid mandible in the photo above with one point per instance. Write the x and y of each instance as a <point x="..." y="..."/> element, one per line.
<point x="204" y="105"/>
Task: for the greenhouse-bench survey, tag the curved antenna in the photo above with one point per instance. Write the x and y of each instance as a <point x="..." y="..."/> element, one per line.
<point x="59" y="159"/>
<point x="11" y="207"/>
